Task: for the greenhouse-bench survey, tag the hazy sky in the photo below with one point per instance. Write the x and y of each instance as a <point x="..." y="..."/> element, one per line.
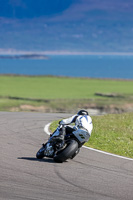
<point x="56" y="8"/>
<point x="74" y="25"/>
<point x="32" y="8"/>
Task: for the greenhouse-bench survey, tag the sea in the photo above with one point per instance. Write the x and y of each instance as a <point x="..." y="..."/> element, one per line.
<point x="89" y="66"/>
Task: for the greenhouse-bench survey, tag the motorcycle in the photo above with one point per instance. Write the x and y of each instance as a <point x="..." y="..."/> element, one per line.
<point x="60" y="151"/>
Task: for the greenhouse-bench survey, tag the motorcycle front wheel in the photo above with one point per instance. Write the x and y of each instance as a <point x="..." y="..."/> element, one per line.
<point x="40" y="153"/>
<point x="67" y="152"/>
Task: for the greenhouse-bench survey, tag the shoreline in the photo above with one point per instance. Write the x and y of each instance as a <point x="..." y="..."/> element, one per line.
<point x="71" y="77"/>
<point x="26" y="56"/>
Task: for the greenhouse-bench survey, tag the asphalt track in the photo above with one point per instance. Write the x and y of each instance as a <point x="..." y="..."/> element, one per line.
<point x="90" y="175"/>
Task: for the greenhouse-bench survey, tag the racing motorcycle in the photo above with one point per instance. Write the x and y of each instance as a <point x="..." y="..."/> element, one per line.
<point x="60" y="151"/>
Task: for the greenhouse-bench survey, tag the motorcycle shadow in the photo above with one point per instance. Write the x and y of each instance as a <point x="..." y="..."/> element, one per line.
<point x="48" y="160"/>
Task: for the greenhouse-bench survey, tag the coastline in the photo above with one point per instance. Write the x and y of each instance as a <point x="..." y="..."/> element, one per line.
<point x="61" y="76"/>
<point x="26" y="56"/>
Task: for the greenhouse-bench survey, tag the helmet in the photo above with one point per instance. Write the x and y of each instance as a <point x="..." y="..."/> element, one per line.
<point x="82" y="112"/>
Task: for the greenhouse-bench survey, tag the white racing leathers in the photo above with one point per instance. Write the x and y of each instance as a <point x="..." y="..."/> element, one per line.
<point x="83" y="126"/>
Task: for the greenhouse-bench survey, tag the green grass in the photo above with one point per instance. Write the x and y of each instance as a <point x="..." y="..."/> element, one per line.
<point x="63" y="93"/>
<point x="111" y="133"/>
<point x="60" y="88"/>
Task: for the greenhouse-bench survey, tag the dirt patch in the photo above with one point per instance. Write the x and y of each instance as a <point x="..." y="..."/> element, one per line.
<point x="30" y="108"/>
<point x="92" y="109"/>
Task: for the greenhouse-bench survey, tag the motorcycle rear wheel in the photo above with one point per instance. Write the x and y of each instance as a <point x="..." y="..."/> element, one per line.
<point x="67" y="152"/>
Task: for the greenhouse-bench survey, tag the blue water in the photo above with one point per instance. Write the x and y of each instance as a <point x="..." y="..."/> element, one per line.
<point x="74" y="66"/>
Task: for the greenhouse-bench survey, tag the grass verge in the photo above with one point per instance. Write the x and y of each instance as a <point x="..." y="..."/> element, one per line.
<point x="112" y="133"/>
<point x="61" y="87"/>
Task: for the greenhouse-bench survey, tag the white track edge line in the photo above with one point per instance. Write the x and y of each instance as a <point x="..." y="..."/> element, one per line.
<point x="46" y="130"/>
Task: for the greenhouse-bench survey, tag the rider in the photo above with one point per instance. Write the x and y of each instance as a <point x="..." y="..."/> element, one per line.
<point x="83" y="122"/>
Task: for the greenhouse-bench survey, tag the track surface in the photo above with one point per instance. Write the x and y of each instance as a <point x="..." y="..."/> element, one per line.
<point x="91" y="175"/>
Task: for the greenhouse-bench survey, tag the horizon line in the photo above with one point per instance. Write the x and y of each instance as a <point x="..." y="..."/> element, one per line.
<point x="62" y="52"/>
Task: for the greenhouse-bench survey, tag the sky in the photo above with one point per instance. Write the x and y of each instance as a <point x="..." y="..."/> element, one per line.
<point x="31" y="8"/>
<point x="66" y="25"/>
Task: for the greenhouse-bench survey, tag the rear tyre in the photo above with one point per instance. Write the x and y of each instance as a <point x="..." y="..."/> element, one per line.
<point x="67" y="152"/>
<point x="76" y="152"/>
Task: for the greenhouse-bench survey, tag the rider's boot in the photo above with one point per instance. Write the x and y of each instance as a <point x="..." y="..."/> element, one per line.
<point x="61" y="136"/>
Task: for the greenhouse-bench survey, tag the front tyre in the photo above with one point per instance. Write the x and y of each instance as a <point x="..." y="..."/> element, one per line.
<point x="40" y="153"/>
<point x="67" y="152"/>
